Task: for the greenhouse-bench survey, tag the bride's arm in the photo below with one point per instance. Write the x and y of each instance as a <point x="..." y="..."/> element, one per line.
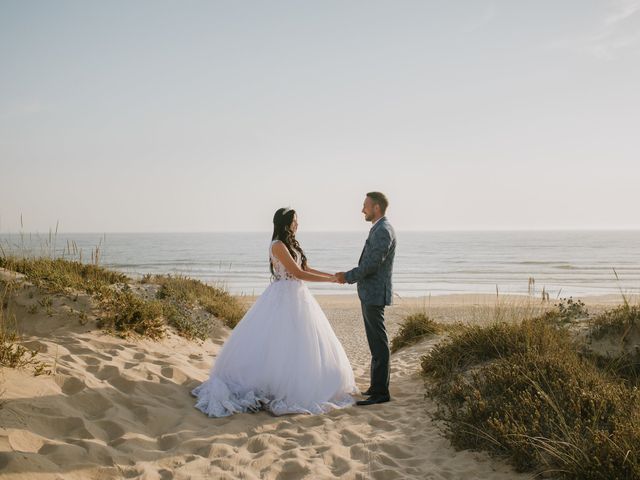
<point x="281" y="253"/>
<point x="318" y="272"/>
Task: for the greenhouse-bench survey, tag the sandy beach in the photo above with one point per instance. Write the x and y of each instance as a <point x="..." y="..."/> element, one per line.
<point x="115" y="408"/>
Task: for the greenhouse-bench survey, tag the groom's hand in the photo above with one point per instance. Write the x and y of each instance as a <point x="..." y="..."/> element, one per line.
<point x="340" y="277"/>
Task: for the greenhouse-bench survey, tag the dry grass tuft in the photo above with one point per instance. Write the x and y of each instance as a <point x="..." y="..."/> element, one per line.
<point x="61" y="275"/>
<point x="529" y="391"/>
<point x="126" y="312"/>
<point x="190" y="292"/>
<point x="414" y="328"/>
<point x="12" y="353"/>
<point x="622" y="320"/>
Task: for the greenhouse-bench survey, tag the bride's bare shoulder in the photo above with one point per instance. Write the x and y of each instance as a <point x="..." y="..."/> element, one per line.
<point x="280" y="250"/>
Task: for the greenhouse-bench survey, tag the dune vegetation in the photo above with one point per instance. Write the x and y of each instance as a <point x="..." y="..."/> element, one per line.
<point x="12" y="353"/>
<point x="557" y="393"/>
<point x="125" y="306"/>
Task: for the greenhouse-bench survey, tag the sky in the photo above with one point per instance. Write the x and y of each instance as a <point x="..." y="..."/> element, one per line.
<point x="164" y="116"/>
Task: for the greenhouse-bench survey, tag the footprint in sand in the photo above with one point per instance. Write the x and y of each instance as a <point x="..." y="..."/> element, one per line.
<point x="314" y="421"/>
<point x="380" y="424"/>
<point x="65" y="427"/>
<point x="310" y="438"/>
<point x="338" y="465"/>
<point x="360" y="453"/>
<point x="122" y="384"/>
<point x="396" y="451"/>
<point x="174" y="374"/>
<point x="60" y="451"/>
<point x="107" y="372"/>
<point x="168" y="442"/>
<point x="88" y="352"/>
<point x="70" y="385"/>
<point x="262" y="442"/>
<point x="289" y="445"/>
<point x="386" y="474"/>
<point x="89" y="360"/>
<point x="111" y="430"/>
<point x="350" y="438"/>
<point x="95" y="451"/>
<point x="386" y="460"/>
<point x="24" y="441"/>
<point x="141" y="413"/>
<point x="217" y="450"/>
<point x="165" y="474"/>
<point x="223" y="464"/>
<point x="293" y="469"/>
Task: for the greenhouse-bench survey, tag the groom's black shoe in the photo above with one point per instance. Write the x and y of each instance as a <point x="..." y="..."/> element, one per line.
<point x="373" y="400"/>
<point x="367" y="392"/>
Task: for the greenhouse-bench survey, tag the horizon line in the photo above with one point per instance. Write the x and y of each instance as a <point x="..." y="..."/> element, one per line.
<point x="448" y="230"/>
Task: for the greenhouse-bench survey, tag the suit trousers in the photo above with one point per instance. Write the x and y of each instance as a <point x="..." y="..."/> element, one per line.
<point x="379" y="346"/>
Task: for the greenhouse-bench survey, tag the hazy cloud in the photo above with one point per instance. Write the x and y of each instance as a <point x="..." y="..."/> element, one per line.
<point x="618" y="29"/>
<point x="621" y="10"/>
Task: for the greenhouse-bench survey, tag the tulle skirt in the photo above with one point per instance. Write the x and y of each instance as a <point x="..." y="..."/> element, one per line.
<point x="283" y="357"/>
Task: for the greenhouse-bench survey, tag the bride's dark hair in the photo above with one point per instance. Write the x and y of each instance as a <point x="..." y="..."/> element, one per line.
<point x="282" y="220"/>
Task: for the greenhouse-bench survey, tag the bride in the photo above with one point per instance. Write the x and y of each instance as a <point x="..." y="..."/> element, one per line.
<point x="283" y="356"/>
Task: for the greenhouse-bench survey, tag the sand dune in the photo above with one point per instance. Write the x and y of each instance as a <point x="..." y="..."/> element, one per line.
<point x="117" y="408"/>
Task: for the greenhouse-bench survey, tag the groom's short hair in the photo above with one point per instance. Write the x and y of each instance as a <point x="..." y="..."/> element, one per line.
<point x="380" y="199"/>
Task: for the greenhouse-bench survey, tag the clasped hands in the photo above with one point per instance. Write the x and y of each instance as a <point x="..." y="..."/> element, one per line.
<point x="340" y="277"/>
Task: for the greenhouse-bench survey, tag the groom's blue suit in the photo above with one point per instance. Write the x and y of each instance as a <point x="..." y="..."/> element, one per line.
<point x="373" y="276"/>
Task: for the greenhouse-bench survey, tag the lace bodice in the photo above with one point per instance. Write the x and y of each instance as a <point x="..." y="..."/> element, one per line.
<point x="280" y="271"/>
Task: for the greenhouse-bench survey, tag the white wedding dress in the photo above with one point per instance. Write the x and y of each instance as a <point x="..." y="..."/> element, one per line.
<point x="283" y="357"/>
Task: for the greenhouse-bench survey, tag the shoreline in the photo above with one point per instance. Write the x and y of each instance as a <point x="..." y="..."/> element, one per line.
<point x="465" y="299"/>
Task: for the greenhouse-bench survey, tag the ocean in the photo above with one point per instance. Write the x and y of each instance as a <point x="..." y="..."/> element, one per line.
<point x="564" y="263"/>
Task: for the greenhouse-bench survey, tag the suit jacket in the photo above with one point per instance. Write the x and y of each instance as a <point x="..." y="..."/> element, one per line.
<point x="373" y="273"/>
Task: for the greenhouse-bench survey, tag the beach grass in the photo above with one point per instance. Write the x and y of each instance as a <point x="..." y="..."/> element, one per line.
<point x="414" y="328"/>
<point x="12" y="353"/>
<point x="62" y="275"/>
<point x="190" y="292"/>
<point x="618" y="321"/>
<point x="531" y="391"/>
<point x="614" y="342"/>
<point x="122" y="310"/>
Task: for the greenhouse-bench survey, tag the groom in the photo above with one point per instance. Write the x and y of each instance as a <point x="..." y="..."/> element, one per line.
<point x="373" y="276"/>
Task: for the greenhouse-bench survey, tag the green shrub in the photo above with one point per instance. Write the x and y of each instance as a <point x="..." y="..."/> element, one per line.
<point x="414" y="328"/>
<point x="191" y="292"/>
<point x="569" y="309"/>
<point x="529" y="392"/>
<point x="185" y="322"/>
<point x="624" y="366"/>
<point x="473" y="345"/>
<point x="617" y="321"/>
<point x="554" y="411"/>
<point x="127" y="313"/>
